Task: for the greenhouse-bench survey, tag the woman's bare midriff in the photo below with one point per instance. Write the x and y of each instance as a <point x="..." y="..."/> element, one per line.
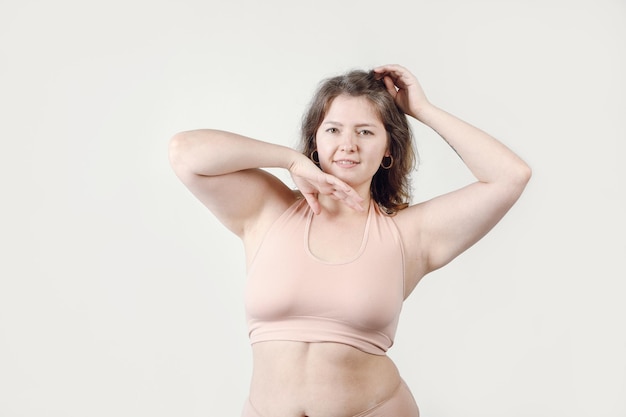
<point x="296" y="379"/>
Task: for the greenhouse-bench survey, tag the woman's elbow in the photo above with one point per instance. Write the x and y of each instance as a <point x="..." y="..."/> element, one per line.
<point x="176" y="149"/>
<point x="524" y="173"/>
<point x="519" y="179"/>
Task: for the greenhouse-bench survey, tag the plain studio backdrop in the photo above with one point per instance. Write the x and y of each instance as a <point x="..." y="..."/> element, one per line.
<point x="121" y="295"/>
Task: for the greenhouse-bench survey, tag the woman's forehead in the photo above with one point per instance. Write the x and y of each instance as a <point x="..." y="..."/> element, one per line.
<point x="355" y="109"/>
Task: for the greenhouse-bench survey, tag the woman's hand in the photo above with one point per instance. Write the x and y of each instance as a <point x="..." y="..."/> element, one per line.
<point x="312" y="182"/>
<point x="404" y="88"/>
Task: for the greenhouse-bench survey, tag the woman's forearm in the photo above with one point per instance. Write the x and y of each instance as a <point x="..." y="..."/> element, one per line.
<point x="214" y="152"/>
<point x="488" y="159"/>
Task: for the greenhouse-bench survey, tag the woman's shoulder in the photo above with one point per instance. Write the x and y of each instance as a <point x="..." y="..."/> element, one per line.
<point x="272" y="211"/>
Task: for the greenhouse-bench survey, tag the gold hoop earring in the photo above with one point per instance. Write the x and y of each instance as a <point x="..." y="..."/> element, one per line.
<point x="315" y="157"/>
<point x="382" y="164"/>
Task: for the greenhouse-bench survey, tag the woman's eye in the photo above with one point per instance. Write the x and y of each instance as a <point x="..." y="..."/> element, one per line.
<point x="332" y="130"/>
<point x="365" y="132"/>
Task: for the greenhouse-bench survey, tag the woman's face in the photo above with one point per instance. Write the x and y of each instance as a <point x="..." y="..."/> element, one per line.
<point x="352" y="141"/>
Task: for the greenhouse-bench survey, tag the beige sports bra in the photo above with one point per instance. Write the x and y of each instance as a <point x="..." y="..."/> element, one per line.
<point x="292" y="295"/>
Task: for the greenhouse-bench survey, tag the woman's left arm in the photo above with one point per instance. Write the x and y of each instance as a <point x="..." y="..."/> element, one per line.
<point x="447" y="225"/>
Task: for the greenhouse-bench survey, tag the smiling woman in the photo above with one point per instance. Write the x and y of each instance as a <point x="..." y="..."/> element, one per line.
<point x="390" y="186"/>
<point x="345" y="148"/>
<point x="330" y="264"/>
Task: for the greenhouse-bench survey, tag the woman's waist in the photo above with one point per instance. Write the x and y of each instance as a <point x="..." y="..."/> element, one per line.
<point x="304" y="371"/>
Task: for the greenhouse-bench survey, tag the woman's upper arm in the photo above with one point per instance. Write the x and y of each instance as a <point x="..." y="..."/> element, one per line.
<point x="222" y="169"/>
<point x="238" y="199"/>
<point x="447" y="225"/>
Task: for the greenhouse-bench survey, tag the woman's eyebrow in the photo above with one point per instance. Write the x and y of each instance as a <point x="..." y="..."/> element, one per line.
<point x="364" y="124"/>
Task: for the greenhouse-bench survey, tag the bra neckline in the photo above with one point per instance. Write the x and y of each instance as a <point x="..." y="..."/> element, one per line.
<point x="351" y="259"/>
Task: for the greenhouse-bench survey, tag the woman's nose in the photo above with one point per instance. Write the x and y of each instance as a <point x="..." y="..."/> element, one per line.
<point x="348" y="144"/>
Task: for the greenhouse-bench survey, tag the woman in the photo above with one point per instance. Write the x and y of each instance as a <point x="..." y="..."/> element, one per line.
<point x="330" y="264"/>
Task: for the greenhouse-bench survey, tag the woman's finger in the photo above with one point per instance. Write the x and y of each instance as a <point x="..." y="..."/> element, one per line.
<point x="390" y="85"/>
<point x="348" y="199"/>
<point x="312" y="201"/>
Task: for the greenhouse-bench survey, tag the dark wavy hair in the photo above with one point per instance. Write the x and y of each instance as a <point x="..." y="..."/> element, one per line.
<point x="391" y="188"/>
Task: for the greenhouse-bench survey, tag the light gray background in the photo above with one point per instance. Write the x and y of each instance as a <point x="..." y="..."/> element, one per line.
<point x="120" y="295"/>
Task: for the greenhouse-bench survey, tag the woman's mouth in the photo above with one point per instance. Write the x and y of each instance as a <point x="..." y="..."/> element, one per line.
<point x="346" y="163"/>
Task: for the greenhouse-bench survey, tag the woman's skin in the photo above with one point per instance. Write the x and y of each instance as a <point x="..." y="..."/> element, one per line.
<point x="224" y="171"/>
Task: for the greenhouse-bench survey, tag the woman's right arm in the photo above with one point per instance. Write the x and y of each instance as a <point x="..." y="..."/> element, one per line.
<point x="222" y="170"/>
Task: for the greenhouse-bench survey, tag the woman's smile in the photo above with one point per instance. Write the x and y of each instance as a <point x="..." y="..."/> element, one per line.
<point x="352" y="138"/>
<point x="346" y="163"/>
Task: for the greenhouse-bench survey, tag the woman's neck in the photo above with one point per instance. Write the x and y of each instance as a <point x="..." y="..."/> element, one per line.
<point x="336" y="208"/>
